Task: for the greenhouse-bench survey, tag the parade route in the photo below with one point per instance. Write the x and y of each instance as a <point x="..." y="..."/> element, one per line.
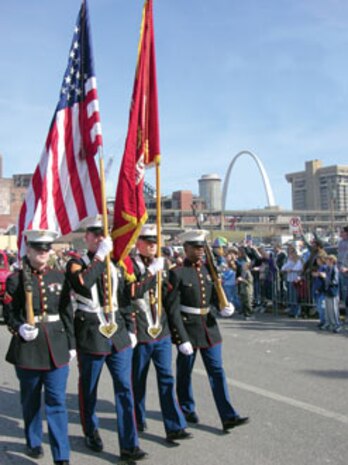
<point x="290" y="378"/>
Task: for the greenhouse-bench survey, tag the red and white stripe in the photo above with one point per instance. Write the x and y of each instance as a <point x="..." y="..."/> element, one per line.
<point x="65" y="187"/>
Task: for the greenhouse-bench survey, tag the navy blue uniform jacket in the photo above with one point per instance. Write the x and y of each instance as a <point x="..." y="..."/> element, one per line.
<point x="51" y="296"/>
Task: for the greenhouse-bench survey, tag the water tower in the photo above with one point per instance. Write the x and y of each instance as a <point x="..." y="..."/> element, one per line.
<point x="210" y="191"/>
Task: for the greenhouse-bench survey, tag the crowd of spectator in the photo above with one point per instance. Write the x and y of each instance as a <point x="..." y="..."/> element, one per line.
<point x="301" y="279"/>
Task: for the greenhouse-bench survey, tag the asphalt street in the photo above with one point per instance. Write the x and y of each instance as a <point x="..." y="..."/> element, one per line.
<point x="290" y="378"/>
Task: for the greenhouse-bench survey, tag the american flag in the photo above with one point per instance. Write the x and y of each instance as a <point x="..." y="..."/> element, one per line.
<point x="65" y="187"/>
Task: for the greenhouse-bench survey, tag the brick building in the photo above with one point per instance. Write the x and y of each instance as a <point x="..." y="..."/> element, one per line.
<point x="173" y="206"/>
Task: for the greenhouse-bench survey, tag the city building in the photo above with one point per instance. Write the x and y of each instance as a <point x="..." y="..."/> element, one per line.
<point x="319" y="188"/>
<point x="174" y="205"/>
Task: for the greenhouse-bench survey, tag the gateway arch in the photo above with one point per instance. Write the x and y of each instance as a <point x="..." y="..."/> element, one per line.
<point x="264" y="176"/>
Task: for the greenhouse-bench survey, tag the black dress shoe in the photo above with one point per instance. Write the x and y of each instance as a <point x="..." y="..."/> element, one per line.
<point x="133" y="454"/>
<point x="192" y="417"/>
<point x="177" y="435"/>
<point x="94" y="441"/>
<point x="142" y="427"/>
<point x="62" y="462"/>
<point x="35" y="452"/>
<point x="233" y="422"/>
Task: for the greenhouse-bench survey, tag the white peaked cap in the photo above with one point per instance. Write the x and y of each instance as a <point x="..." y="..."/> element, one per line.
<point x="92" y="222"/>
<point x="194" y="236"/>
<point x="148" y="230"/>
<point x="40" y="235"/>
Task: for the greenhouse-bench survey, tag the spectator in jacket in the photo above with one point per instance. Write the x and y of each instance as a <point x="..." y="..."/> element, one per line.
<point x="293" y="269"/>
<point x="332" y="319"/>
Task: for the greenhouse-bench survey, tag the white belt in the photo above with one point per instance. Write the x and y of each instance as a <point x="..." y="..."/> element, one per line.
<point x="87" y="305"/>
<point x="85" y="308"/>
<point x="46" y="318"/>
<point x="194" y="310"/>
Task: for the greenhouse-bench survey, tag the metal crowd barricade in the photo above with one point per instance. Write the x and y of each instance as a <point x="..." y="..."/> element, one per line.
<point x="274" y="295"/>
<point x="279" y="294"/>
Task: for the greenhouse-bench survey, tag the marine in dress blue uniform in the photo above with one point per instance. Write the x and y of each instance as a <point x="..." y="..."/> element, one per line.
<point x="41" y="352"/>
<point x="192" y="307"/>
<point x="88" y="279"/>
<point x="152" y="337"/>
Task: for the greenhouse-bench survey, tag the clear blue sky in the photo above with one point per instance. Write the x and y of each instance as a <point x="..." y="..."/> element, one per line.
<point x="270" y="76"/>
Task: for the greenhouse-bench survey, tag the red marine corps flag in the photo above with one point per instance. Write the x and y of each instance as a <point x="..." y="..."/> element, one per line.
<point x="141" y="147"/>
<point x="65" y="187"/>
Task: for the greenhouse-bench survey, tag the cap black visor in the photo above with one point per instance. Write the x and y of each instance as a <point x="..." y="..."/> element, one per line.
<point x="95" y="230"/>
<point x="195" y="243"/>
<point x="148" y="238"/>
<point x="46" y="246"/>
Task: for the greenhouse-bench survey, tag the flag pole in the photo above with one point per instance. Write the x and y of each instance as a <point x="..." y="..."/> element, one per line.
<point x="108" y="306"/>
<point x="159" y="241"/>
<point x="110" y="327"/>
<point x="157" y="164"/>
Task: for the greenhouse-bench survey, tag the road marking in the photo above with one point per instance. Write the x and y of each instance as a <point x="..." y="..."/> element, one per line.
<point x="285" y="400"/>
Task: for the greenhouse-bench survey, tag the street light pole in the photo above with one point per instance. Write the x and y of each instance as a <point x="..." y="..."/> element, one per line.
<point x="332" y="213"/>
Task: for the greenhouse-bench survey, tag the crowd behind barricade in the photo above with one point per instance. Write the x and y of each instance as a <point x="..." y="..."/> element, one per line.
<point x="300" y="279"/>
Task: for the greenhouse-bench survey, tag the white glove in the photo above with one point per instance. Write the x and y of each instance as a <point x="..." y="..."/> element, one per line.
<point x="104" y="248"/>
<point x="72" y="355"/>
<point x="227" y="311"/>
<point x="133" y="338"/>
<point x="157" y="265"/>
<point x="28" y="332"/>
<point x="186" y="348"/>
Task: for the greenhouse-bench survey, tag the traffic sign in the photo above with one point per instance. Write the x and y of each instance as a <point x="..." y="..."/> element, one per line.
<point x="295" y="224"/>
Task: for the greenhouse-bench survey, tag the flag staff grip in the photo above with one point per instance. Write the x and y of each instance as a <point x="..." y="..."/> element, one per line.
<point x="28" y="290"/>
<point x="29" y="307"/>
